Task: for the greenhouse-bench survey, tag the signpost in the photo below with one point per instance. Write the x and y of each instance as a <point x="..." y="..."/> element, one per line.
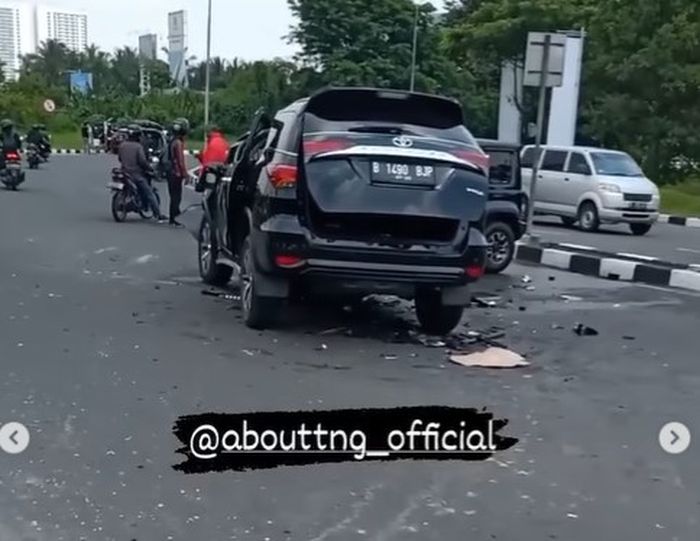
<point x="544" y="68"/>
<point x="49" y="106"/>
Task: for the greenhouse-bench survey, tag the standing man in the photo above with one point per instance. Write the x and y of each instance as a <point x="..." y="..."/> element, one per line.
<point x="177" y="167"/>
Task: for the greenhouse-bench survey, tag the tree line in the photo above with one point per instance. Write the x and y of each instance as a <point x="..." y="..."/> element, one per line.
<point x="640" y="82"/>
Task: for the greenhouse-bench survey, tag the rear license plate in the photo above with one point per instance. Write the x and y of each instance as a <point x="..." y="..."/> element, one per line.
<point x="13" y="165"/>
<point x="403" y="173"/>
<point x="116" y="185"/>
<point x="638" y="206"/>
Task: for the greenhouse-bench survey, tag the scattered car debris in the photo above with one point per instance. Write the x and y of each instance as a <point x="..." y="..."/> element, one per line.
<point x="487" y="302"/>
<point x="335" y="330"/>
<point x="526" y="279"/>
<point x="571" y="298"/>
<point x="491" y="358"/>
<point x="322" y="347"/>
<point x="210" y="293"/>
<point x="583" y="330"/>
<point x="530" y="288"/>
<point x="629" y="337"/>
<point x="389" y="356"/>
<point x="552" y="278"/>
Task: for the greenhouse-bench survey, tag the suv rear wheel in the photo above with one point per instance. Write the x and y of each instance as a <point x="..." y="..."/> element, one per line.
<point x="501" y="248"/>
<point x="258" y="312"/>
<point x="434" y="317"/>
<point x="640" y="229"/>
<point x="212" y="273"/>
<point x="588" y="218"/>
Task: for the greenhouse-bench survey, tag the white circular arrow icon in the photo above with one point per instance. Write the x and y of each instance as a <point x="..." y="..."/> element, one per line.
<point x="674" y="438"/>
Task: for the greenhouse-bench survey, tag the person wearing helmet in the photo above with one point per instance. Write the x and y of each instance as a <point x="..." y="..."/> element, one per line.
<point x="136" y="167"/>
<point x="37" y="136"/>
<point x="177" y="171"/>
<point x="11" y="141"/>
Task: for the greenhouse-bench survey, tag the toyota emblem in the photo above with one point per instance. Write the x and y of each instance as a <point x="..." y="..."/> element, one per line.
<point x="403" y="141"/>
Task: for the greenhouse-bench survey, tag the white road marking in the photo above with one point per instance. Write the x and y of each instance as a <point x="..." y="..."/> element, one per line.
<point x="637" y="256"/>
<point x="578" y="247"/>
<point x="689" y="250"/>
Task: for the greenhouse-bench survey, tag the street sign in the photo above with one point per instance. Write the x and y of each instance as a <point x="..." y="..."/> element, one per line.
<point x="534" y="59"/>
<point x="49" y="106"/>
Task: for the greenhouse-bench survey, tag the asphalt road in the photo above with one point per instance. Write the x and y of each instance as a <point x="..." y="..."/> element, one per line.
<point x="667" y="242"/>
<point x="106" y="338"/>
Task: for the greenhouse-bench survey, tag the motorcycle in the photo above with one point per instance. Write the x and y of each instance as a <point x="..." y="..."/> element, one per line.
<point x="12" y="175"/>
<point x="33" y="157"/>
<point x="45" y="152"/>
<point x="126" y="197"/>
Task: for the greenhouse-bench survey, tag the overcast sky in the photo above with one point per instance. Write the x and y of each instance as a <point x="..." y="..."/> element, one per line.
<point x="248" y="29"/>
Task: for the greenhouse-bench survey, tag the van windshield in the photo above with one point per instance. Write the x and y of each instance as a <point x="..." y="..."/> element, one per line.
<point x="615" y="164"/>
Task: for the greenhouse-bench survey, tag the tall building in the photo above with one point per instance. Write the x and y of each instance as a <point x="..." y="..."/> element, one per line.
<point x="16" y="36"/>
<point x="148" y="46"/>
<point x="177" y="47"/>
<point x="68" y="27"/>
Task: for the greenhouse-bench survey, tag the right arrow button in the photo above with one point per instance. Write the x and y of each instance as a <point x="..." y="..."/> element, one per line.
<point x="674" y="438"/>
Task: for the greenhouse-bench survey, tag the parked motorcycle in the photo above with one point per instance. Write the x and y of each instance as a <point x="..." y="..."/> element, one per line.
<point x="126" y="197"/>
<point x="33" y="156"/>
<point x="12" y="175"/>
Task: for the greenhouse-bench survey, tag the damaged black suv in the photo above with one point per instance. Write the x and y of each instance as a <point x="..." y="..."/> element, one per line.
<point x="348" y="193"/>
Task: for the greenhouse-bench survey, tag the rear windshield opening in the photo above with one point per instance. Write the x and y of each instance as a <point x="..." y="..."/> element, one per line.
<point x="370" y="106"/>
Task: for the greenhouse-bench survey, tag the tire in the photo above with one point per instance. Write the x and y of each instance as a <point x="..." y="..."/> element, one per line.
<point x="207" y="251"/>
<point x="119" y="206"/>
<point x="588" y="218"/>
<point x="501" y="247"/>
<point x="258" y="312"/>
<point x="568" y="221"/>
<point x="640" y="230"/>
<point x="434" y="317"/>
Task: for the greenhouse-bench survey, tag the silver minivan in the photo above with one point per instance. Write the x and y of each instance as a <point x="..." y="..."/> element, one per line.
<point x="591" y="186"/>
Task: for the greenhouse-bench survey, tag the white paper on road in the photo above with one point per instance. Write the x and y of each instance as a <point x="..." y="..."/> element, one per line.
<point x="491" y="358"/>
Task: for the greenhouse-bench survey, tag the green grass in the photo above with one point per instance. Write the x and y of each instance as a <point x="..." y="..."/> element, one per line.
<point x="67" y="140"/>
<point x="681" y="199"/>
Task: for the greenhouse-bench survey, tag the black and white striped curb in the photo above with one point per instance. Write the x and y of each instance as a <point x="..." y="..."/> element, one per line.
<point x="82" y="151"/>
<point x="618" y="266"/>
<point x="679" y="220"/>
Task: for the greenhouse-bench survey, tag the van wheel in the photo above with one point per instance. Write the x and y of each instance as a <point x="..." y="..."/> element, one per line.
<point x="568" y="221"/>
<point x="501" y="247"/>
<point x="434" y="317"/>
<point x="640" y="229"/>
<point x="588" y="218"/>
<point x="207" y="251"/>
<point x="258" y="312"/>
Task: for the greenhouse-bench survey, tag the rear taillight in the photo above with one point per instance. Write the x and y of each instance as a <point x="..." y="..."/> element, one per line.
<point x="313" y="148"/>
<point x="286" y="261"/>
<point x="474" y="271"/>
<point x="12" y="156"/>
<point x="282" y="176"/>
<point x="479" y="159"/>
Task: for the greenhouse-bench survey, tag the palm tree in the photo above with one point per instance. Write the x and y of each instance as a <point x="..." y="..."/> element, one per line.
<point x="125" y="69"/>
<point x="51" y="60"/>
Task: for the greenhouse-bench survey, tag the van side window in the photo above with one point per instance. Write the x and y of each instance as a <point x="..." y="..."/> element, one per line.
<point x="554" y="160"/>
<point x="578" y="164"/>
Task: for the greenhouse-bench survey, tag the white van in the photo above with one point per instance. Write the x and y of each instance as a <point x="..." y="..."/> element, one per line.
<point x="591" y="186"/>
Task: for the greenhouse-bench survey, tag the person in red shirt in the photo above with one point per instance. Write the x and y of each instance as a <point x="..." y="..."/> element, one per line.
<point x="216" y="150"/>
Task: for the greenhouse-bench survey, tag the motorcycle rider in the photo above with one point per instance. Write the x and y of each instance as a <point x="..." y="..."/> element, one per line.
<point x="176" y="167"/>
<point x="38" y="137"/>
<point x="215" y="152"/>
<point x="136" y="167"/>
<point x="11" y="141"/>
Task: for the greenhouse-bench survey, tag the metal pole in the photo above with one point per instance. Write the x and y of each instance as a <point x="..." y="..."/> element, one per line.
<point x="207" y="72"/>
<point x="415" y="50"/>
<point x="538" y="139"/>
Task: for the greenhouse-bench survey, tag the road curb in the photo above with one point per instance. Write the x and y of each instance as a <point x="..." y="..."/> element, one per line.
<point x="621" y="267"/>
<point x="686" y="221"/>
<point x="81" y="151"/>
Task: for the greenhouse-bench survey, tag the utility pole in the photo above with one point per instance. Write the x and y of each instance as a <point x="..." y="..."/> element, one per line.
<point x="207" y="76"/>
<point x="538" y="138"/>
<point x="415" y="50"/>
